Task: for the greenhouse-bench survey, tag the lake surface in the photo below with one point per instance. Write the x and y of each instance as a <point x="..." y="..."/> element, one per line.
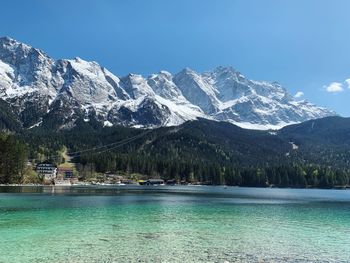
<point x="173" y="224"/>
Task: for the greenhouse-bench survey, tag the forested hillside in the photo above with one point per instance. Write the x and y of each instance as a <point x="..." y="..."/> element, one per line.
<point x="13" y="158"/>
<point x="8" y="119"/>
<point x="206" y="151"/>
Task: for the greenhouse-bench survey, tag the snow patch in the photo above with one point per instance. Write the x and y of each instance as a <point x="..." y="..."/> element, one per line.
<point x="35" y="125"/>
<point x="107" y="124"/>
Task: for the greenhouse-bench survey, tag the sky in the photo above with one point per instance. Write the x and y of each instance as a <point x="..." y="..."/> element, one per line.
<point x="302" y="44"/>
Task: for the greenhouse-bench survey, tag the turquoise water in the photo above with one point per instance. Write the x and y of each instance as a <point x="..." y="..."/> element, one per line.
<point x="173" y="224"/>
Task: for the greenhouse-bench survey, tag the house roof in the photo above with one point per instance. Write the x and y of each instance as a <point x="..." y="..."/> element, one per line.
<point x="64" y="169"/>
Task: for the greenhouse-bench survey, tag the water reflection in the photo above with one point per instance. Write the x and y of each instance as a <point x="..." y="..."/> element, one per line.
<point x="240" y="194"/>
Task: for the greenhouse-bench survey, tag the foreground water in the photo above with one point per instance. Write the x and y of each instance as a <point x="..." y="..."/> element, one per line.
<point x="173" y="224"/>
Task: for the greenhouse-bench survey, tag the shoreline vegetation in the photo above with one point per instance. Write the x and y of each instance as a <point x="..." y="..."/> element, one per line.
<point x="25" y="174"/>
<point x="22" y="173"/>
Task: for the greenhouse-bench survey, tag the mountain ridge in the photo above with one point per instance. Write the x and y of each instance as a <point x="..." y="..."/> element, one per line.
<point x="39" y="88"/>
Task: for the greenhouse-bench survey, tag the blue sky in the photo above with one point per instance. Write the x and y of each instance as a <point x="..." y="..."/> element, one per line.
<point x="303" y="44"/>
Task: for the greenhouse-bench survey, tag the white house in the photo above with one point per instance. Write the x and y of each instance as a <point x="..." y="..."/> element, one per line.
<point x="48" y="170"/>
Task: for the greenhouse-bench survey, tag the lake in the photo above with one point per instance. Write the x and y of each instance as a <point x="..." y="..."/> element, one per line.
<point x="173" y="224"/>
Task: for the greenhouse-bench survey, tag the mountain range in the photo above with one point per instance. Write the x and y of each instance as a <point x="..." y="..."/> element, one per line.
<point x="36" y="90"/>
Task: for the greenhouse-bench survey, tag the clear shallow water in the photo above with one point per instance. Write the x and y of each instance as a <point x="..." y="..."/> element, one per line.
<point x="173" y="224"/>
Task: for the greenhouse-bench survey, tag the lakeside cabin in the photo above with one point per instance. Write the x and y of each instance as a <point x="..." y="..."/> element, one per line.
<point x="151" y="182"/>
<point x="65" y="173"/>
<point x="47" y="170"/>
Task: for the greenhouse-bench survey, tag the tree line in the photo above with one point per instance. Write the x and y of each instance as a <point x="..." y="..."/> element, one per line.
<point x="13" y="159"/>
<point x="285" y="175"/>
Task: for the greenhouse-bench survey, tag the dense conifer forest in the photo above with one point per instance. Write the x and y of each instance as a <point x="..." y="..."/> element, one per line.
<point x="311" y="154"/>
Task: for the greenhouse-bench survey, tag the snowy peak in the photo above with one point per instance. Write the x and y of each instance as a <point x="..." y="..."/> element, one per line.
<point x="163" y="85"/>
<point x="197" y="90"/>
<point x="226" y="73"/>
<point x="85" y="81"/>
<point x="16" y="53"/>
<point x="136" y="86"/>
<point x="15" y="48"/>
<point x="43" y="91"/>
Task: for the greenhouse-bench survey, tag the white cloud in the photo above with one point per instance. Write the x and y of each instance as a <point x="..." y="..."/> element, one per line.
<point x="335" y="87"/>
<point x="299" y="94"/>
<point x="347" y="81"/>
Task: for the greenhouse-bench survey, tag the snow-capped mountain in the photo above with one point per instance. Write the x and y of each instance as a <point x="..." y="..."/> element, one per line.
<point x="43" y="91"/>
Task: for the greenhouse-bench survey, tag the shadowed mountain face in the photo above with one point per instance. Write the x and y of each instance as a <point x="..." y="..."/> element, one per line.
<point x="55" y="94"/>
<point x="329" y="131"/>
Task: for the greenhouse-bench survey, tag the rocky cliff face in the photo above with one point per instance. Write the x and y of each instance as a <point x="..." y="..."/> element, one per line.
<point x="43" y="91"/>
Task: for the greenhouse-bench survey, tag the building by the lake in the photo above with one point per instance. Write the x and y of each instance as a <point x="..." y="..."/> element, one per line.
<point x="65" y="173"/>
<point x="151" y="182"/>
<point x="47" y="170"/>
